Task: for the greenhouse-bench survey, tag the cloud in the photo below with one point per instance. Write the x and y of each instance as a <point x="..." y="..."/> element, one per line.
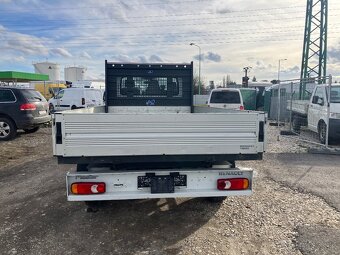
<point x="292" y="70"/>
<point x="214" y="57"/>
<point x="61" y="52"/>
<point x="210" y="56"/>
<point x="223" y="10"/>
<point x="84" y="54"/>
<point x="260" y="65"/>
<point x="26" y="45"/>
<point x="139" y="59"/>
<point x="334" y="54"/>
<point x="155" y="58"/>
<point x="19" y="59"/>
<point x="142" y="59"/>
<point x="121" y="58"/>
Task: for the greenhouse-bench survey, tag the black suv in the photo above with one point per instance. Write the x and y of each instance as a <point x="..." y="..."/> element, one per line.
<point x="21" y="108"/>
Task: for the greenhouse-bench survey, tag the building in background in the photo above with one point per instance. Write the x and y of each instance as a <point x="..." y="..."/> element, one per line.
<point x="49" y="68"/>
<point x="74" y="73"/>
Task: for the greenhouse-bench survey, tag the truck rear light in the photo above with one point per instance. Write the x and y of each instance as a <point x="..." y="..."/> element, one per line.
<point x="83" y="101"/>
<point x="233" y="184"/>
<point x="241" y="107"/>
<point x="28" y="107"/>
<point x="88" y="188"/>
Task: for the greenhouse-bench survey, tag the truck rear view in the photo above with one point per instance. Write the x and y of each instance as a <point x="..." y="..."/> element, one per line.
<point x="149" y="141"/>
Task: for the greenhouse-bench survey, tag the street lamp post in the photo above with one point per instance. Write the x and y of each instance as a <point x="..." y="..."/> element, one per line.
<point x="199" y="67"/>
<point x="279" y="94"/>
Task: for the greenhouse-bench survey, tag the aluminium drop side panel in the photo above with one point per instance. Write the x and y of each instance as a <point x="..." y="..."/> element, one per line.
<point x="58" y="120"/>
<point x="159" y="134"/>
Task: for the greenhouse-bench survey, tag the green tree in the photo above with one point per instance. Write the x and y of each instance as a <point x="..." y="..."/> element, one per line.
<point x="196" y="90"/>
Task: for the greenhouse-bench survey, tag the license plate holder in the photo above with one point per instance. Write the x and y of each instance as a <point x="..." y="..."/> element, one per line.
<point x="42" y="112"/>
<point x="162" y="184"/>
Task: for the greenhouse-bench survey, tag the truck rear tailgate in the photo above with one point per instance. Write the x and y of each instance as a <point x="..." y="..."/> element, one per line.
<point x="111" y="134"/>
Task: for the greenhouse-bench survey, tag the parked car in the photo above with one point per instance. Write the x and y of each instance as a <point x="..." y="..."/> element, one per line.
<point x="21" y="108"/>
<point x="226" y="98"/>
<point x="75" y="98"/>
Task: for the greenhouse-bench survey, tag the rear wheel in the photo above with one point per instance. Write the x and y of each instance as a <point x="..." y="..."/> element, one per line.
<point x="8" y="129"/>
<point x="322" y="132"/>
<point x="296" y="124"/>
<point x="73" y="107"/>
<point x="32" y="130"/>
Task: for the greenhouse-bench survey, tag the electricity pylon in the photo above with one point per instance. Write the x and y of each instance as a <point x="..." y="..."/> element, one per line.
<point x="314" y="56"/>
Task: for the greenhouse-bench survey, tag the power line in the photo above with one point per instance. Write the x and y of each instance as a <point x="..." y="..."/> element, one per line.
<point x="152" y="26"/>
<point x="74" y="8"/>
<point x="221" y="15"/>
<point x="153" y="43"/>
<point x="175" y="35"/>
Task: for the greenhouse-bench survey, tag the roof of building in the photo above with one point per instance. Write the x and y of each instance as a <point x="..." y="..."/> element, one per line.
<point x="13" y="76"/>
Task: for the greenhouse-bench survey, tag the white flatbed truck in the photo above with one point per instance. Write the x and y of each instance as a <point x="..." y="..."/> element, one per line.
<point x="149" y="141"/>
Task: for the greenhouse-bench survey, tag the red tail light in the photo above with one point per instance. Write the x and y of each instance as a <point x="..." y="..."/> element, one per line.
<point x="241" y="107"/>
<point x="88" y="188"/>
<point x="83" y="101"/>
<point x="233" y="184"/>
<point x="28" y="107"/>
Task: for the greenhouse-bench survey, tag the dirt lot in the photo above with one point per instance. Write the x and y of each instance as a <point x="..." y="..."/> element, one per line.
<point x="289" y="212"/>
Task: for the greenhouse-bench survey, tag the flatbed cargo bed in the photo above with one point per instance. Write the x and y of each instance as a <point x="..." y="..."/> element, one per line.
<point x="207" y="134"/>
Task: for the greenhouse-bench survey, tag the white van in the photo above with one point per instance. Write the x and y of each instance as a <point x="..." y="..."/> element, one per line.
<point x="314" y="113"/>
<point x="75" y="98"/>
<point x="226" y="98"/>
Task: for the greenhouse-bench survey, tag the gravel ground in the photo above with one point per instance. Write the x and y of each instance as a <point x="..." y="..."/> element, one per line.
<point x="274" y="220"/>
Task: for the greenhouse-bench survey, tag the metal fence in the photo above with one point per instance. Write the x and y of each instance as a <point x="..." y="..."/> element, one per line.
<point x="302" y="108"/>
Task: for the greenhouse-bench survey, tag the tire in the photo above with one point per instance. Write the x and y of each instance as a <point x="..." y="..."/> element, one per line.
<point x="32" y="130"/>
<point x="8" y="130"/>
<point x="82" y="168"/>
<point x="296" y="124"/>
<point x="322" y="130"/>
<point x="73" y="107"/>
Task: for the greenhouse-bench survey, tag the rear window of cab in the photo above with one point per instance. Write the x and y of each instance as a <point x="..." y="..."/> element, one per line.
<point x="225" y="97"/>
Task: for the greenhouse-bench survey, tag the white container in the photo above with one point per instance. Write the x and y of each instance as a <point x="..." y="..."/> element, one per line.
<point x="74" y="73"/>
<point x="49" y="68"/>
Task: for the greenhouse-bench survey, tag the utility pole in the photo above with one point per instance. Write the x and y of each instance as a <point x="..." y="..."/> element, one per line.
<point x="245" y="79"/>
<point x="199" y="67"/>
<point x="314" y="56"/>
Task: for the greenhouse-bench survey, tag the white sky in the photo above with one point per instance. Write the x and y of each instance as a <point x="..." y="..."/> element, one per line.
<point x="231" y="33"/>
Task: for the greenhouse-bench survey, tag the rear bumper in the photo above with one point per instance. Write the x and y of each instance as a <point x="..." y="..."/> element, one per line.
<point x="334" y="128"/>
<point x="126" y="185"/>
<point x="29" y="121"/>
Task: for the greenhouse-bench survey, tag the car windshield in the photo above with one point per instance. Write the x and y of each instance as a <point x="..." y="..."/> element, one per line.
<point x="225" y="97"/>
<point x="33" y="95"/>
<point x="54" y="91"/>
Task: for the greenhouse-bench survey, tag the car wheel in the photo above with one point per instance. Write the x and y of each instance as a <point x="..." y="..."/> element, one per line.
<point x="296" y="124"/>
<point x="8" y="129"/>
<point x="322" y="132"/>
<point x="73" y="107"/>
<point x="32" y="130"/>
